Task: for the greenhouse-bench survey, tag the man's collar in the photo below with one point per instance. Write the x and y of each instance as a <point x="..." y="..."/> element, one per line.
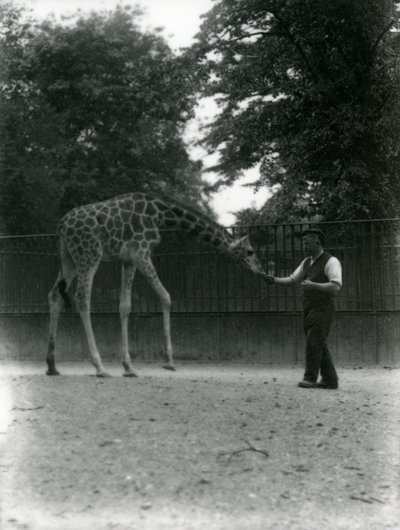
<point x="314" y="258"/>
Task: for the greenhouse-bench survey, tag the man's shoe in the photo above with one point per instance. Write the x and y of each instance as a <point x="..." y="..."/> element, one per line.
<point x="306" y="384"/>
<point x="327" y="386"/>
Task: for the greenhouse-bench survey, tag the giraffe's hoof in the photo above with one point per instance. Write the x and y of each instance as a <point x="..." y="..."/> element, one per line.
<point x="169" y="367"/>
<point x="103" y="374"/>
<point x="130" y="374"/>
<point x="52" y="372"/>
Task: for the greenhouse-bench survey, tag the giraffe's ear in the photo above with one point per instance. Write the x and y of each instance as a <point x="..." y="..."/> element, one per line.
<point x="243" y="242"/>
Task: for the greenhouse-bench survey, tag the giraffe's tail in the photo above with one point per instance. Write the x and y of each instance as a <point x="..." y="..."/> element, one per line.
<point x="62" y="289"/>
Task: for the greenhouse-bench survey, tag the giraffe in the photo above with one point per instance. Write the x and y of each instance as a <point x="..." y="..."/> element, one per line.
<point x="127" y="228"/>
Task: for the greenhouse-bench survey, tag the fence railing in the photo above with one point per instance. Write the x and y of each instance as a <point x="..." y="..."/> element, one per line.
<point x="201" y="280"/>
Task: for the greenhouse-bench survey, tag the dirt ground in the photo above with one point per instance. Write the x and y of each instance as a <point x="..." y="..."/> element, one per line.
<point x="209" y="447"/>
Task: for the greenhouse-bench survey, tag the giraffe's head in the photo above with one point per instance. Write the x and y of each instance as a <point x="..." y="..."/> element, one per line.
<point x="242" y="250"/>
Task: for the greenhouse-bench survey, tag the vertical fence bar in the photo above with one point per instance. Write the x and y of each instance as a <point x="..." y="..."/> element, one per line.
<point x="284" y="256"/>
<point x="277" y="268"/>
<point x="394" y="235"/>
<point x="292" y="263"/>
<point x="378" y="264"/>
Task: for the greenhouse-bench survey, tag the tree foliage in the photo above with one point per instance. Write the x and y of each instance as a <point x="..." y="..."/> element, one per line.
<point x="308" y="89"/>
<point x="91" y="108"/>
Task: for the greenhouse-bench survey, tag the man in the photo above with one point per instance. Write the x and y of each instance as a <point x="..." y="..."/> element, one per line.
<point x="320" y="276"/>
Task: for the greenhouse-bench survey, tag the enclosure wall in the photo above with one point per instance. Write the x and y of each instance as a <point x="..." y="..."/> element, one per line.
<point x="355" y="340"/>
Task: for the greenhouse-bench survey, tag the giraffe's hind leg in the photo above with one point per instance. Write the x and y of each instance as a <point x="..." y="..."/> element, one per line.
<point x="57" y="296"/>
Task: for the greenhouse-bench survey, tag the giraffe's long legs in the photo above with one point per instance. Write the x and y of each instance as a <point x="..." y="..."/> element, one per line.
<point x="82" y="300"/>
<point x="128" y="273"/>
<point x="55" y="305"/>
<point x="147" y="269"/>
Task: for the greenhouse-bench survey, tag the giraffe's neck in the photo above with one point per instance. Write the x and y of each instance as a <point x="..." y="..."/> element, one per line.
<point x="176" y="215"/>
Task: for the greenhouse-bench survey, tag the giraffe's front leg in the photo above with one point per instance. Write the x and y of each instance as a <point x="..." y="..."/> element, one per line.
<point x="146" y="267"/>
<point x="128" y="273"/>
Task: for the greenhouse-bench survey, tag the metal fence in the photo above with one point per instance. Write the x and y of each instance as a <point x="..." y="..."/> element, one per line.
<point x="200" y="280"/>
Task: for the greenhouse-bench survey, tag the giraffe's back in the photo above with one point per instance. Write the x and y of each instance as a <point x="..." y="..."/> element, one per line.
<point x="110" y="229"/>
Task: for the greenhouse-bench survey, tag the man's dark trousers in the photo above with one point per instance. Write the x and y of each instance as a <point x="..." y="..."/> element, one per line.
<point x="317" y="320"/>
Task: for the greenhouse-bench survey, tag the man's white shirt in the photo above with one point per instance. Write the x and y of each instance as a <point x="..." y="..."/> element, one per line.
<point x="332" y="270"/>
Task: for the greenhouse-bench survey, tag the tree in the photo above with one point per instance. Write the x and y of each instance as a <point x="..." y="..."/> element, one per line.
<point x="91" y="108"/>
<point x="308" y="89"/>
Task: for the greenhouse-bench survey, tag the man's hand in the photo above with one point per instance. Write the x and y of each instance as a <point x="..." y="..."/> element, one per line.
<point x="331" y="288"/>
<point x="269" y="279"/>
<point x="308" y="285"/>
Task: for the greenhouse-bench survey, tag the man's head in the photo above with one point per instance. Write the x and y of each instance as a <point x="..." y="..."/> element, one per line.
<point x="313" y="239"/>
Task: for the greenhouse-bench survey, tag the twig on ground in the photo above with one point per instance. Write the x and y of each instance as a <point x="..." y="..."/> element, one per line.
<point x="28" y="408"/>
<point x="363" y="499"/>
<point x="238" y="451"/>
<point x="368" y="500"/>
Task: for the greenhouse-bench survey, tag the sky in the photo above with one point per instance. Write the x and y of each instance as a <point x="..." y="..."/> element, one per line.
<point x="181" y="20"/>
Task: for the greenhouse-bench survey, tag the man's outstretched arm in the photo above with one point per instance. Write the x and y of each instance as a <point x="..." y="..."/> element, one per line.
<point x="274" y="280"/>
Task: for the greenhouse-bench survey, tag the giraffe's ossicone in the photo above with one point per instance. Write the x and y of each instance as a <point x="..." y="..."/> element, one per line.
<point x="127" y="228"/>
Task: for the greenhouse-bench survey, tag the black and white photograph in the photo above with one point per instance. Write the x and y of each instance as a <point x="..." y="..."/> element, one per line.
<point x="199" y="265"/>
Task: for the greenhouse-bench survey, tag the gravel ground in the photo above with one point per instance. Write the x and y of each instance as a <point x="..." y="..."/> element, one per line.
<point x="209" y="447"/>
